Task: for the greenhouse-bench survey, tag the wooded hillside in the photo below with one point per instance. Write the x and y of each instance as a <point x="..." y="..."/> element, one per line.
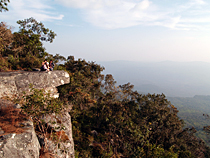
<point x="193" y="111"/>
<point x="108" y="120"/>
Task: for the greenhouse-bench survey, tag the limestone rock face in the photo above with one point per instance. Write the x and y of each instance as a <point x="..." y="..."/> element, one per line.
<point x="19" y="145"/>
<point x="26" y="144"/>
<point x="61" y="123"/>
<point x="14" y="83"/>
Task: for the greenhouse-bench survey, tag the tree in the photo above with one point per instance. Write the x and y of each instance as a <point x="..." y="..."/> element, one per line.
<point x="27" y="41"/>
<point x="32" y="27"/>
<point x="84" y="82"/>
<point x="88" y="69"/>
<point x="112" y="126"/>
<point x="161" y="118"/>
<point x="6" y="38"/>
<point x="120" y="122"/>
<point x="27" y="47"/>
<point x="3" y="5"/>
<point x="23" y="46"/>
<point x="58" y="58"/>
<point x="24" y="49"/>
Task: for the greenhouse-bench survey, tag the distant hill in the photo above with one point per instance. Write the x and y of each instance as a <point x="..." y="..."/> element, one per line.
<point x="191" y="110"/>
<point x="176" y="79"/>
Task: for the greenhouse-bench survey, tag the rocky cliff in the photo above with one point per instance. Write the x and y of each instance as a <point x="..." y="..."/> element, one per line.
<point x="17" y="135"/>
<point x="22" y="141"/>
<point x="14" y="83"/>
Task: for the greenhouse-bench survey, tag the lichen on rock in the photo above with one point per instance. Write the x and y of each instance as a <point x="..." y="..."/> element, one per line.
<point x="62" y="128"/>
<point x="17" y="136"/>
<point x="15" y="83"/>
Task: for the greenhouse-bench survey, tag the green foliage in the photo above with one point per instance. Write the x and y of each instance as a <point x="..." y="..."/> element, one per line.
<point x="3" y="5"/>
<point x="4" y="65"/>
<point x="24" y="49"/>
<point x="107" y="120"/>
<point x="40" y="102"/>
<point x="110" y="121"/>
<point x="12" y="62"/>
<point x="84" y="84"/>
<point x="162" y="119"/>
<point x="31" y="27"/>
<point x="153" y="151"/>
<point x="58" y="58"/>
<point x="88" y="69"/>
<point x="191" y="110"/>
<point x="29" y="62"/>
<point x="25" y="46"/>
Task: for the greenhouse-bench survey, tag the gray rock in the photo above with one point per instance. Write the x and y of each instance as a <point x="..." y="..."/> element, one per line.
<point x="26" y="144"/>
<point x="13" y="84"/>
<point x="36" y="69"/>
<point x="21" y="145"/>
<point x="61" y="123"/>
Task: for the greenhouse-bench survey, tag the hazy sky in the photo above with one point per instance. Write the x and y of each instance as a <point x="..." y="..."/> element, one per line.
<point x="135" y="30"/>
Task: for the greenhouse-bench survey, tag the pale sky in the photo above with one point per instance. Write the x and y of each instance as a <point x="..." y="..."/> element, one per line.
<point x="134" y="30"/>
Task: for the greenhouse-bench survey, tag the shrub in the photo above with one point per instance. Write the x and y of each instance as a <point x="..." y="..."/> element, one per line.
<point x="40" y="104"/>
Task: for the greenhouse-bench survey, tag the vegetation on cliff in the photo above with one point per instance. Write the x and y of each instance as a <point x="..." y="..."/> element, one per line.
<point x="108" y="120"/>
<point x="111" y="121"/>
<point x="23" y="50"/>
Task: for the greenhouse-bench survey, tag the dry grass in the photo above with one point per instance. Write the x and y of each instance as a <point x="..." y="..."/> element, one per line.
<point x="45" y="154"/>
<point x="11" y="119"/>
<point x="62" y="136"/>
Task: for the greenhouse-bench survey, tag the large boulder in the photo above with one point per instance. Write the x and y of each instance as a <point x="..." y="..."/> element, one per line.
<point x="15" y="83"/>
<point x="17" y="138"/>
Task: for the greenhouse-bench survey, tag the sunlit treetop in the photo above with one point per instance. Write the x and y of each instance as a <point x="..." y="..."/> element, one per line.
<point x="31" y="27"/>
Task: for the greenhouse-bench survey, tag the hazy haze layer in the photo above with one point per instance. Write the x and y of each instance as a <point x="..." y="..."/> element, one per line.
<point x="183" y="79"/>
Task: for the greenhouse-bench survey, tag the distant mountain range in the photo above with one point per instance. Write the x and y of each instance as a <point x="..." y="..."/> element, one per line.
<point x="174" y="79"/>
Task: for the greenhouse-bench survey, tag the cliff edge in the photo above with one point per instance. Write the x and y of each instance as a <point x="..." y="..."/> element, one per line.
<point x="17" y="134"/>
<point x="15" y="83"/>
